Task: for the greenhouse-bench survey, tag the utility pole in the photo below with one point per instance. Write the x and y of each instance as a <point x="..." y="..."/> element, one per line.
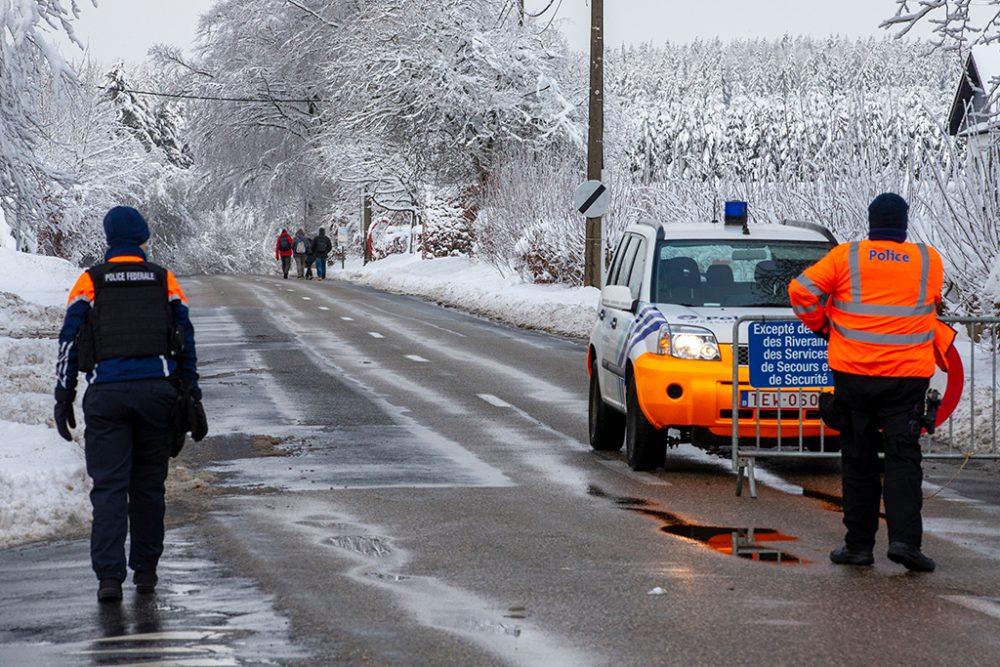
<point x="593" y="259"/>
<point x="366" y="224"/>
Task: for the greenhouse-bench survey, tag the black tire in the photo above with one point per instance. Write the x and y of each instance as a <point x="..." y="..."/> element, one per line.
<point x="645" y="446"/>
<point x="607" y="425"/>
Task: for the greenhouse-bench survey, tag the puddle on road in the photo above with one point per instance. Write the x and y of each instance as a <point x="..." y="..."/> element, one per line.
<point x="749" y="543"/>
<point x="202" y="614"/>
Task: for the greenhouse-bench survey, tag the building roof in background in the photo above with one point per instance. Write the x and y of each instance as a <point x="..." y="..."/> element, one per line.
<point x="977" y="93"/>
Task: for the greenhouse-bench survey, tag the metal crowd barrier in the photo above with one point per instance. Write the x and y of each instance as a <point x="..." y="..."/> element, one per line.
<point x="963" y="436"/>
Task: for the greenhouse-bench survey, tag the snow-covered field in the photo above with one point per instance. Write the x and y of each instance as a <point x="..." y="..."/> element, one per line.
<point x="43" y="480"/>
<point x="480" y="289"/>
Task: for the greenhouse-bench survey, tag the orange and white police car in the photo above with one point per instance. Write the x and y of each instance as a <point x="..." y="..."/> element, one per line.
<point x="661" y="353"/>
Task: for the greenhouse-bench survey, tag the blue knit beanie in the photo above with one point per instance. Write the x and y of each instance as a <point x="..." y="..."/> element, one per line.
<point x="123" y="225"/>
<point x="888" y="216"/>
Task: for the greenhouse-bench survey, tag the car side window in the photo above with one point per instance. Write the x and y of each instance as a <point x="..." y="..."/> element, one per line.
<point x="625" y="269"/>
<point x="638" y="270"/>
<point x="616" y="262"/>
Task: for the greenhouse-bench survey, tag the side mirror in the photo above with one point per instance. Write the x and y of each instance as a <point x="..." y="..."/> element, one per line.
<point x="617" y="297"/>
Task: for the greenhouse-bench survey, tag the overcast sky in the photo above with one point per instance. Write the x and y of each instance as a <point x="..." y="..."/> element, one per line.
<point x="125" y="29"/>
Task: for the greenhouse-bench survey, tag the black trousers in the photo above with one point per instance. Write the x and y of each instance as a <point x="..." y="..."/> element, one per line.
<point x="883" y="414"/>
<point x="286" y="263"/>
<point x="128" y="438"/>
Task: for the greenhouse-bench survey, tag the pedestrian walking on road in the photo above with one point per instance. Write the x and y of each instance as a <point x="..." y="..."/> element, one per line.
<point x="127" y="327"/>
<point x="310" y="260"/>
<point x="283" y="251"/>
<point x="876" y="302"/>
<point x="321" y="246"/>
<point x="300" y="248"/>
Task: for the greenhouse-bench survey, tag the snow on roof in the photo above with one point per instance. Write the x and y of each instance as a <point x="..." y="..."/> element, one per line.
<point x="758" y="231"/>
<point x="986" y="58"/>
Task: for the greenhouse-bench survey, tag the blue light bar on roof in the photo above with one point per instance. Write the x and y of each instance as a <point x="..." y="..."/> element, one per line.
<point x="736" y="212"/>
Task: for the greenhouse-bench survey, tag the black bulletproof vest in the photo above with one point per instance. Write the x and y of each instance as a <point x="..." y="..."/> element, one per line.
<point x="131" y="314"/>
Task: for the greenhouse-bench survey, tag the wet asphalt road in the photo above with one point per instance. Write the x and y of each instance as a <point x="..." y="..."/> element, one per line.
<point x="392" y="483"/>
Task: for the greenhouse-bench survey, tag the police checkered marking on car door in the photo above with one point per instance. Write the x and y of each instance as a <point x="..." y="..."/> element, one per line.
<point x="648" y="320"/>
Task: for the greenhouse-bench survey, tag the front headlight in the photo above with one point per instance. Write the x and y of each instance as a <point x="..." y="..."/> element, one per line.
<point x="687" y="342"/>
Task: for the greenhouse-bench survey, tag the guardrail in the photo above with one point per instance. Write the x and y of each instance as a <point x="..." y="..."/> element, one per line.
<point x="969" y="432"/>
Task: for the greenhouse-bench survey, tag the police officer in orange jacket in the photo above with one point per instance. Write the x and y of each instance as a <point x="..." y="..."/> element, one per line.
<point x="876" y="302"/>
<point x="127" y="327"/>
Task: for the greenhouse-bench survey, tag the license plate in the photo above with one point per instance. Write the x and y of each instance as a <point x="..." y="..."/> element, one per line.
<point x="804" y="400"/>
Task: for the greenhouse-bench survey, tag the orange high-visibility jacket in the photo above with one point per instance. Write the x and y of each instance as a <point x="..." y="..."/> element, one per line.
<point x="878" y="301"/>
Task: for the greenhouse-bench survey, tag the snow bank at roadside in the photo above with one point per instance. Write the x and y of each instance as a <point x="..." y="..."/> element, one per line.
<point x="480" y="289"/>
<point x="43" y="480"/>
<point x="40" y="280"/>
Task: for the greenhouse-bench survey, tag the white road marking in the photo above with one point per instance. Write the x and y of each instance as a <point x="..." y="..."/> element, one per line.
<point x="181" y="635"/>
<point x="323" y="308"/>
<point x="307" y="298"/>
<point x="162" y="650"/>
<point x="375" y="334"/>
<point x="988" y="606"/>
<point x="347" y="319"/>
<point x="493" y="400"/>
<point x="414" y="357"/>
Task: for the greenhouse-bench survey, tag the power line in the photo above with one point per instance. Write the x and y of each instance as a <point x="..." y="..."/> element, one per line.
<point x="186" y="96"/>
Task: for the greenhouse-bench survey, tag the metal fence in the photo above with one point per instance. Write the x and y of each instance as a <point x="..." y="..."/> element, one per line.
<point x="970" y="432"/>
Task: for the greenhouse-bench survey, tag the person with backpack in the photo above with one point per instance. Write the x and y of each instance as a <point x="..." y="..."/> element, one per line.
<point x="283" y="251"/>
<point x="310" y="260"/>
<point x="300" y="248"/>
<point x="321" y="246"/>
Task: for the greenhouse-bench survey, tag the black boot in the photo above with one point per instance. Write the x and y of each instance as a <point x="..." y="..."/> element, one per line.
<point x="145" y="582"/>
<point x="844" y="556"/>
<point x="109" y="590"/>
<point x="910" y="557"/>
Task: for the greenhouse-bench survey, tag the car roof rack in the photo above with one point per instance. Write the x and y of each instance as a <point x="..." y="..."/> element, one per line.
<point x="814" y="227"/>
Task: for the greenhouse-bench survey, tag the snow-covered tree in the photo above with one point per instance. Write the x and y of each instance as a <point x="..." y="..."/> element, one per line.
<point x="26" y="57"/>
<point x="101" y="166"/>
<point x="157" y="126"/>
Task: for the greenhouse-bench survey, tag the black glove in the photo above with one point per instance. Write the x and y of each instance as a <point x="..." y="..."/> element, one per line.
<point x="197" y="423"/>
<point x="199" y="427"/>
<point x="65" y="419"/>
<point x="832" y="411"/>
<point x="823" y="333"/>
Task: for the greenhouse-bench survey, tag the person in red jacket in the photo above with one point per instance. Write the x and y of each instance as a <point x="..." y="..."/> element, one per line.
<point x="876" y="302"/>
<point x="283" y="251"/>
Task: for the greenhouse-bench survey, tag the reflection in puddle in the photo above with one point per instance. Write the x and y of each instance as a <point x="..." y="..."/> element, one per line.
<point x="749" y="543"/>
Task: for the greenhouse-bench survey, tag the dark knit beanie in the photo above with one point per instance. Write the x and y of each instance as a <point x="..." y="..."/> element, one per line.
<point x="123" y="225"/>
<point x="888" y="216"/>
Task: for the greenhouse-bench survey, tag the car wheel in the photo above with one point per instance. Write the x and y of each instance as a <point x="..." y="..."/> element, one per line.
<point x="645" y="446"/>
<point x="607" y="425"/>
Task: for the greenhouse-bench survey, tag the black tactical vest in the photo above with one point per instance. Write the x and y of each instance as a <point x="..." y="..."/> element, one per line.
<point x="131" y="314"/>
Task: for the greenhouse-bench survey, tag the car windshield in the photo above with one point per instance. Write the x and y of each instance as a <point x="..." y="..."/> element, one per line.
<point x="745" y="272"/>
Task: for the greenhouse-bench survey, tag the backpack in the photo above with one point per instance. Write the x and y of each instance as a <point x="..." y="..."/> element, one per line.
<point x="300" y="246"/>
<point x="283" y="244"/>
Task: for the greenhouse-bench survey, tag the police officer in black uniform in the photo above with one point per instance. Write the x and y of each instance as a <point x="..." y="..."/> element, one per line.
<point x="127" y="327"/>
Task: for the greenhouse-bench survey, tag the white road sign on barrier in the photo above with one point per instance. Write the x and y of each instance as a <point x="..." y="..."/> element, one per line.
<point x="592" y="199"/>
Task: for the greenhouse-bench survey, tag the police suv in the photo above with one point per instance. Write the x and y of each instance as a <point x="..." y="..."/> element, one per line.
<point x="660" y="356"/>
